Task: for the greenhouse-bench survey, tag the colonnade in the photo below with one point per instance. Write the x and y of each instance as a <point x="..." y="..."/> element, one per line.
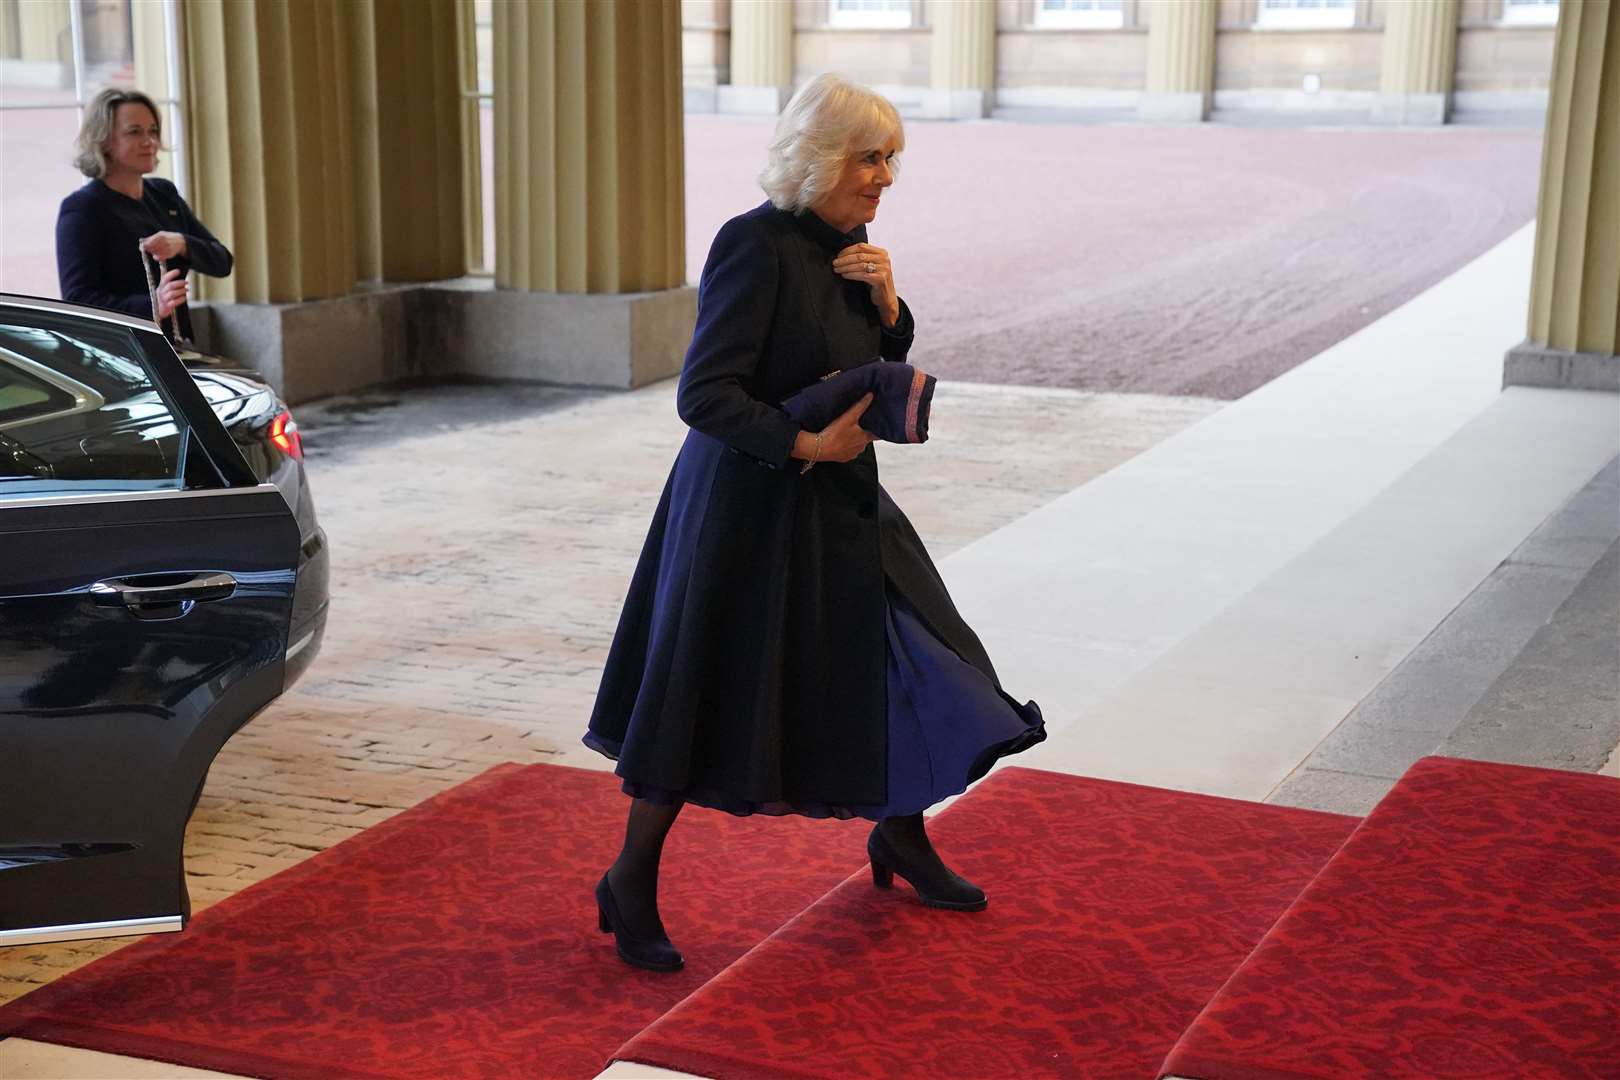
<point x="329" y="140"/>
<point x="1419" y="58"/>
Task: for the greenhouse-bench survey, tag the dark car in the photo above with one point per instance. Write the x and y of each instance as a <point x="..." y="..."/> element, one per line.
<point x="162" y="578"/>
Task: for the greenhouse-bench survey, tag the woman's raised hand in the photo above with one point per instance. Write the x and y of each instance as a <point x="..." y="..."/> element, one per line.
<point x="164" y="245"/>
<point x="869" y="264"/>
<point x="171" y="293"/>
<point x="841" y="440"/>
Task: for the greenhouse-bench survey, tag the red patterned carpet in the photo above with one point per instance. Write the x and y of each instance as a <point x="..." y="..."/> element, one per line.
<point x="1470" y="928"/>
<point x="1116" y="912"/>
<point x="457" y="939"/>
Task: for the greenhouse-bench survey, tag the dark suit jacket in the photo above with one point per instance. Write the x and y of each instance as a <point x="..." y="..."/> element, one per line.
<point x="98" y="231"/>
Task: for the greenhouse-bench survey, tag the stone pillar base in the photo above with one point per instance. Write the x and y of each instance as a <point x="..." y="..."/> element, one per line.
<point x="36" y="74"/>
<point x="456" y="328"/>
<point x="620" y="341"/>
<point x="1173" y="107"/>
<point x="700" y="98"/>
<point x="752" y="100"/>
<point x="1533" y="364"/>
<point x="316" y="348"/>
<point x="1414" y="109"/>
<point x="957" y="104"/>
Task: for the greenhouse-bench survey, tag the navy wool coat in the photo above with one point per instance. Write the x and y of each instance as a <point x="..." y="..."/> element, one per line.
<point x="750" y="657"/>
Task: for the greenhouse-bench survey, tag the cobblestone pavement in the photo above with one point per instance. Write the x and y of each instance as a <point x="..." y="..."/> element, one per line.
<point x="482" y="540"/>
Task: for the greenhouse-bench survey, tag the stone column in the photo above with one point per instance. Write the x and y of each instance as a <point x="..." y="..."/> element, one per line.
<point x="1420" y="61"/>
<point x="1574" y="321"/>
<point x="271" y="169"/>
<point x="45" y="32"/>
<point x="472" y="155"/>
<point x="152" y="74"/>
<point x="761" y="58"/>
<point x="1181" y="61"/>
<point x="962" y="54"/>
<point x="10" y="32"/>
<point x="705" y="52"/>
<point x="589" y="195"/>
<point x="589" y="184"/>
<point x="365" y="130"/>
<point x="419" y="145"/>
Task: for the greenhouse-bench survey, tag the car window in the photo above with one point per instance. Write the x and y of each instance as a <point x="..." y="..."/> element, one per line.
<point x="24" y="396"/>
<point x="80" y="412"/>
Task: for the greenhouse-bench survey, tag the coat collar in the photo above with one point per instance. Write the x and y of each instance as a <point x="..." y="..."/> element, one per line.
<point x="827" y="236"/>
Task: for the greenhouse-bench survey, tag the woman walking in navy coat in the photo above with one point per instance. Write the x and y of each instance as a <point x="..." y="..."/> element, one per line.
<point x="787" y="646"/>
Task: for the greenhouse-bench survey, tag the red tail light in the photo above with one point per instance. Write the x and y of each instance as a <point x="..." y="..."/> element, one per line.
<point x="284" y="433"/>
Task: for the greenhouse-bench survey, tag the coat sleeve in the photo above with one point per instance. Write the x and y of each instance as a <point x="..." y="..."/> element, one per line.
<point x="81" y="263"/>
<point x="897" y="339"/>
<point x="204" y="252"/>
<point x="736" y="303"/>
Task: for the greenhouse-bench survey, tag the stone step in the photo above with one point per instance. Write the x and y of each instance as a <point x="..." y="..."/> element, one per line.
<point x="1558" y="703"/>
<point x="1487" y="648"/>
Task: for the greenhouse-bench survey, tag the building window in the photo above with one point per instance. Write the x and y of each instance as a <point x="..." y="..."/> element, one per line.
<point x="55" y="55"/>
<point x="1530" y="12"/>
<point x="1080" y="14"/>
<point x="1306" y="14"/>
<point x="870" y="14"/>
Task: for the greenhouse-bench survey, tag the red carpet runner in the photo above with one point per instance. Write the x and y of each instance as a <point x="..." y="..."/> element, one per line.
<point x="1470" y="928"/>
<point x="1115" y="913"/>
<point x="456" y="939"/>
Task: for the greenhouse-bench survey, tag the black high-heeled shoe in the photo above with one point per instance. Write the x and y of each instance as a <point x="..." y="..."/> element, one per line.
<point x="656" y="954"/>
<point x="941" y="889"/>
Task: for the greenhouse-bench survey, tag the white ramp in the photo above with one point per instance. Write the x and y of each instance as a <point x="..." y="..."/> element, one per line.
<point x="1202" y="615"/>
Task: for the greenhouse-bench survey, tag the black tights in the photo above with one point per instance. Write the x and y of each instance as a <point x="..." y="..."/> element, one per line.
<point x="910" y="840"/>
<point x="633" y="877"/>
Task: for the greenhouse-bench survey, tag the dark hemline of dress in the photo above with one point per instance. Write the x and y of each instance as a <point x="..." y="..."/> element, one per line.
<point x="948" y="724"/>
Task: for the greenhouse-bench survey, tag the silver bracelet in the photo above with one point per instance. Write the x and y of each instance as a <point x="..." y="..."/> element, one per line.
<point x="815" y="456"/>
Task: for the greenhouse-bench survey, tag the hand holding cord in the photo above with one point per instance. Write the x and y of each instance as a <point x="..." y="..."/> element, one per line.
<point x="168" y="291"/>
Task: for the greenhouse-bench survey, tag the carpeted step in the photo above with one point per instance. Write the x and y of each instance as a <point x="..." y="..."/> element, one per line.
<point x="1467" y="929"/>
<point x="457" y="939"/>
<point x="1116" y="911"/>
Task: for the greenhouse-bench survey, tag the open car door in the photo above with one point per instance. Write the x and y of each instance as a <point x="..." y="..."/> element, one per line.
<point x="146" y="583"/>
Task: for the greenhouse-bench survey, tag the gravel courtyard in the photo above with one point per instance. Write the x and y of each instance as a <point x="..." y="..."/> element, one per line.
<point x="1203" y="261"/>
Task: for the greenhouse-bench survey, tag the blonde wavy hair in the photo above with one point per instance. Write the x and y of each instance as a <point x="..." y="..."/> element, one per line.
<point x="96" y="132"/>
<point x="827" y="120"/>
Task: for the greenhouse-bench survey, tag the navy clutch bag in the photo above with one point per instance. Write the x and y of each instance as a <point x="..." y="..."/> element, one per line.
<point x="901" y="397"/>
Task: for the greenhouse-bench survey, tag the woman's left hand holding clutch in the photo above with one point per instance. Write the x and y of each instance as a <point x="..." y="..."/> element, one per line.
<point x="869" y="264"/>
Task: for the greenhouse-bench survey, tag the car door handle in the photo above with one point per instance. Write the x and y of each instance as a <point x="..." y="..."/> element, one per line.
<point x="148" y="590"/>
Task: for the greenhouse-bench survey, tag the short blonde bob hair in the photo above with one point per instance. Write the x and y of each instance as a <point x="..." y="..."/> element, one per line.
<point x="829" y="119"/>
<point x="96" y="132"/>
